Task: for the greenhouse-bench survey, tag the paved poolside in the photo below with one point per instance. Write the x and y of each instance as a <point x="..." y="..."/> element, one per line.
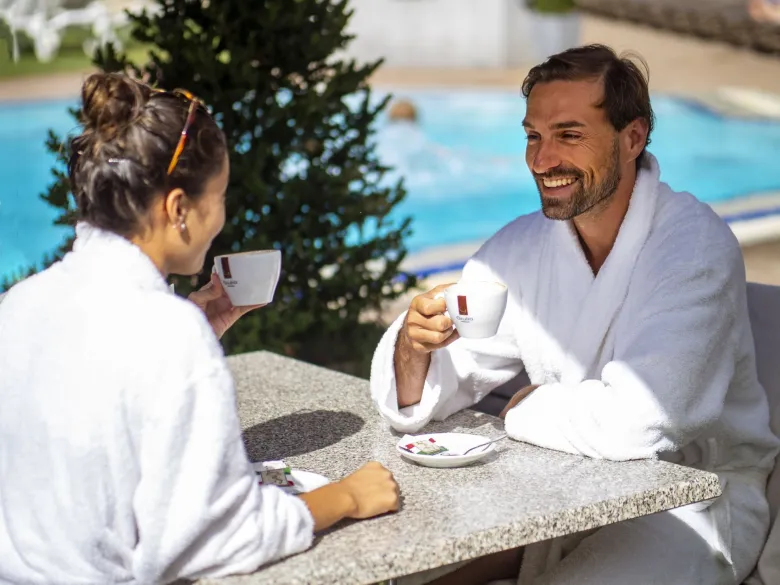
<point x="681" y="65"/>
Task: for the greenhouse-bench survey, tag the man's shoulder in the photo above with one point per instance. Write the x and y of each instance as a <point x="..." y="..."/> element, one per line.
<point x="502" y="256"/>
<point x="515" y="235"/>
<point x="688" y="231"/>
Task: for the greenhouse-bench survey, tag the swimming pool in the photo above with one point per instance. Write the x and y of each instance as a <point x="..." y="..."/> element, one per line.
<point x="26" y="230"/>
<point x="463" y="164"/>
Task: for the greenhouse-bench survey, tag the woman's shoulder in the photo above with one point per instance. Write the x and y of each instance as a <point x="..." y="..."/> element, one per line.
<point x="173" y="343"/>
<point x="177" y="320"/>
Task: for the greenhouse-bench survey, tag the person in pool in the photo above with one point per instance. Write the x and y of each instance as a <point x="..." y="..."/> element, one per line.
<point x="121" y="457"/>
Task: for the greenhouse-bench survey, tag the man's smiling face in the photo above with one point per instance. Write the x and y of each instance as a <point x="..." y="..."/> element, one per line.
<point x="573" y="151"/>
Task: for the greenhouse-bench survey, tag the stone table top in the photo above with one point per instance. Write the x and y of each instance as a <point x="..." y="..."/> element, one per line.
<point x="323" y="421"/>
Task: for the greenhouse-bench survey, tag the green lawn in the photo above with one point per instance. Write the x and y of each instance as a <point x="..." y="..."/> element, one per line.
<point x="66" y="61"/>
<point x="70" y="58"/>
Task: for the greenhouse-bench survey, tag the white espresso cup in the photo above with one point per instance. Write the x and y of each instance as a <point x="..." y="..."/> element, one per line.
<point x="249" y="278"/>
<point x="475" y="307"/>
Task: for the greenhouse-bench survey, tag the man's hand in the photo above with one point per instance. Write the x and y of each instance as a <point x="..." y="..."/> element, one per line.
<point x="425" y="329"/>
<point x="213" y="300"/>
<point x="517" y="398"/>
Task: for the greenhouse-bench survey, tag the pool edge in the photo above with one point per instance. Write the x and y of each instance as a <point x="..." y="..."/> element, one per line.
<point x="754" y="219"/>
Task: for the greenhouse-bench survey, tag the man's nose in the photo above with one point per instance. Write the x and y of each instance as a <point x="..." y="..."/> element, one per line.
<point x="545" y="158"/>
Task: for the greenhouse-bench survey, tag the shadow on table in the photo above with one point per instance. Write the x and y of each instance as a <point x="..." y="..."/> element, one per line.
<point x="300" y="432"/>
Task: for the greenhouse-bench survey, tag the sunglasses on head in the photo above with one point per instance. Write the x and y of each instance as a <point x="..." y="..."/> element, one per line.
<point x="194" y="104"/>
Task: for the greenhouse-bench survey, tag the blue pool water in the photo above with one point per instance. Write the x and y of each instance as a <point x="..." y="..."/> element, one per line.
<point x="26" y="230"/>
<point x="463" y="165"/>
<point x="479" y="181"/>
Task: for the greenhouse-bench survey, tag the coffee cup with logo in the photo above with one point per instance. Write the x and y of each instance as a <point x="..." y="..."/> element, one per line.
<point x="475" y="307"/>
<point x="249" y="278"/>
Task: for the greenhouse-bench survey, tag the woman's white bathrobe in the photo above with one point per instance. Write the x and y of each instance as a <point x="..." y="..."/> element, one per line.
<point x="121" y="458"/>
<point x="651" y="358"/>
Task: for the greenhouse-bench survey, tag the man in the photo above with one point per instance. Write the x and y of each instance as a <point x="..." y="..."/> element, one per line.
<point x="627" y="310"/>
<point x="765" y="11"/>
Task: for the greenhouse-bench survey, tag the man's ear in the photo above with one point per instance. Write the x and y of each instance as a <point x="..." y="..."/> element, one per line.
<point x="634" y="138"/>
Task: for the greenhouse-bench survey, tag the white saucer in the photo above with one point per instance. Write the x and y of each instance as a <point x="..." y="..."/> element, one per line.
<point x="306" y="481"/>
<point x="458" y="441"/>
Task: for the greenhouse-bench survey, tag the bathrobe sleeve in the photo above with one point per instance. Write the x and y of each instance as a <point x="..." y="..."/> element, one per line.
<point x="461" y="374"/>
<point x="199" y="509"/>
<point x="670" y="371"/>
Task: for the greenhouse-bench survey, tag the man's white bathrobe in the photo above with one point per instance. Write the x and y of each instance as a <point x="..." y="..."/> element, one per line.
<point x="121" y="458"/>
<point x="653" y="357"/>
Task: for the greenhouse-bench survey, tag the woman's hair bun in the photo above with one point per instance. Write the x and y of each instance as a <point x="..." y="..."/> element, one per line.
<point x="111" y="102"/>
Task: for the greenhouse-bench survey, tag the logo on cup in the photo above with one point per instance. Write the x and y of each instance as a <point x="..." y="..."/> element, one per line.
<point x="225" y="268"/>
<point x="463" y="308"/>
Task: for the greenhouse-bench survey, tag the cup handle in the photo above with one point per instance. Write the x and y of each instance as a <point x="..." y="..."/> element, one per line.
<point x="441" y="296"/>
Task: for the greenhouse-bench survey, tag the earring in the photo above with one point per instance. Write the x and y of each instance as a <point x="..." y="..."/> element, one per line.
<point x="182" y="226"/>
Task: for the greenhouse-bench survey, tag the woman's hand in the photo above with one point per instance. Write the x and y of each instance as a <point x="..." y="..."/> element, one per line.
<point x="368" y="492"/>
<point x="373" y="490"/>
<point x="213" y="300"/>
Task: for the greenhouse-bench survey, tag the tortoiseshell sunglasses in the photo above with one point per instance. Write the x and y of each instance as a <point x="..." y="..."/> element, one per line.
<point x="194" y="103"/>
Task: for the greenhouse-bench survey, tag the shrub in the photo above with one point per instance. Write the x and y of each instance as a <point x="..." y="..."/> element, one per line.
<point x="299" y="121"/>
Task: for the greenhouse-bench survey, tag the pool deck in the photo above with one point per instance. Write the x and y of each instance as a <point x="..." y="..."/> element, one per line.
<point x="726" y="80"/>
<point x="678" y="64"/>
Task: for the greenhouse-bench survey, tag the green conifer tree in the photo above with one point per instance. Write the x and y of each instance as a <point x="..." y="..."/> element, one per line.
<point x="299" y="121"/>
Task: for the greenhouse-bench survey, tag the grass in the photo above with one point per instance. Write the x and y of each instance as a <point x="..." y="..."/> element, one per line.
<point x="66" y="62"/>
<point x="70" y="57"/>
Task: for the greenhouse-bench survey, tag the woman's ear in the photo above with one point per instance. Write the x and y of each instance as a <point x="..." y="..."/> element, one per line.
<point x="176" y="207"/>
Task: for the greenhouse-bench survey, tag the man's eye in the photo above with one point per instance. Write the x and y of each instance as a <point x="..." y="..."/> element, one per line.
<point x="531" y="137"/>
<point x="570" y="136"/>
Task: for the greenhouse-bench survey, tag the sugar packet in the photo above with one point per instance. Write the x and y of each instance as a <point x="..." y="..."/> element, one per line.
<point x="273" y="473"/>
<point x="422" y="446"/>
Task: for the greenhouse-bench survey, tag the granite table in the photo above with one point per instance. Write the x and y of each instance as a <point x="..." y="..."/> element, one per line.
<point x="323" y="421"/>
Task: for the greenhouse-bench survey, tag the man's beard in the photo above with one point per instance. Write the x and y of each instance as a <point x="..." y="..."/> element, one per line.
<point x="582" y="200"/>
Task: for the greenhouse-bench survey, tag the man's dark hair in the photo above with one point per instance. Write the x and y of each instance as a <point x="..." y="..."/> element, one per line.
<point x="626" y="92"/>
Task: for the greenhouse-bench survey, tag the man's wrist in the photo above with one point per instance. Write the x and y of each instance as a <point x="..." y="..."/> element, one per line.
<point x="411" y="368"/>
<point x="406" y="355"/>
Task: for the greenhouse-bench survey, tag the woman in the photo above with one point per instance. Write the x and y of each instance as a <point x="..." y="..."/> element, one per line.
<point x="121" y="459"/>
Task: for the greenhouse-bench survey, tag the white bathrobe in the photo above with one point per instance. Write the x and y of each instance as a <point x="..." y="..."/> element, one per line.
<point x="653" y="357"/>
<point x="121" y="458"/>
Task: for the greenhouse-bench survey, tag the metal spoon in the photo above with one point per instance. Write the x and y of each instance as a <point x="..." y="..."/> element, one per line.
<point x="451" y="454"/>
